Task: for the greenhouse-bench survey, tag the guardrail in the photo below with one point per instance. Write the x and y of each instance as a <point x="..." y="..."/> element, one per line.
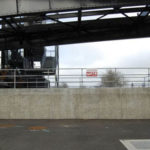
<point x="75" y="78"/>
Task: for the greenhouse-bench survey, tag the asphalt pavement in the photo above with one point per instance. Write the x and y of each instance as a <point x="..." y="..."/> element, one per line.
<point x="70" y="134"/>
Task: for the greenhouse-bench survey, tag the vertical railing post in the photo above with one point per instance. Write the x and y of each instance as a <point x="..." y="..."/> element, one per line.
<point x="82" y="77"/>
<point x="48" y="80"/>
<point x="123" y="82"/>
<point x="55" y="79"/>
<point x="36" y="83"/>
<point x="148" y="76"/>
<point x="115" y="77"/>
<point x="58" y="75"/>
<point x="14" y="78"/>
<point x="27" y="83"/>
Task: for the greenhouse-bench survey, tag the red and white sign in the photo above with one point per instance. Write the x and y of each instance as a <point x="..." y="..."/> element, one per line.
<point x="92" y="73"/>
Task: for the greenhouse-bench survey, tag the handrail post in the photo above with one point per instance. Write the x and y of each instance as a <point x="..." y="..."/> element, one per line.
<point x="148" y="76"/>
<point x="115" y="78"/>
<point x="48" y="79"/>
<point x="14" y="78"/>
<point x="27" y="83"/>
<point x="82" y="77"/>
<point x="36" y="82"/>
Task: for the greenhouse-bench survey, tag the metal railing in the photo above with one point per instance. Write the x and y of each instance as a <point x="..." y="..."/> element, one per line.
<point x="75" y="78"/>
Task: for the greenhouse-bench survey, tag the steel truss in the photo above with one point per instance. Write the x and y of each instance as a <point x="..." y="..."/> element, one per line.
<point x="49" y="28"/>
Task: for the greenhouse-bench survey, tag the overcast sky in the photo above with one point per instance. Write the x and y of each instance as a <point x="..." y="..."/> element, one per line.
<point x="120" y="53"/>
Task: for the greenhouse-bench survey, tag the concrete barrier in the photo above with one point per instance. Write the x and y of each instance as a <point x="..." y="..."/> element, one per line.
<point x="100" y="103"/>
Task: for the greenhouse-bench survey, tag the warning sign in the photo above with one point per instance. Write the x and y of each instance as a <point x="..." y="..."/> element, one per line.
<point x="92" y="73"/>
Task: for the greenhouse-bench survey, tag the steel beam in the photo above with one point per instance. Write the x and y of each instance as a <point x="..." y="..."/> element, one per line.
<point x="18" y="7"/>
<point x="100" y="30"/>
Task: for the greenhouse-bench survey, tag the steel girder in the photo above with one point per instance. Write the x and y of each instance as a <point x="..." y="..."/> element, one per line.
<point x="88" y="31"/>
<point x="18" y="7"/>
<point x="43" y="29"/>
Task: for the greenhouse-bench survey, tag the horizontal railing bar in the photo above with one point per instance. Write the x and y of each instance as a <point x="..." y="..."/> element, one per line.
<point x="75" y="82"/>
<point x="135" y="75"/>
<point x="77" y="77"/>
<point x="79" y="68"/>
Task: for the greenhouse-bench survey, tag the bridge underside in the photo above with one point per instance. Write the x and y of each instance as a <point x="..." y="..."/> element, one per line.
<point x="20" y="7"/>
<point x="73" y="21"/>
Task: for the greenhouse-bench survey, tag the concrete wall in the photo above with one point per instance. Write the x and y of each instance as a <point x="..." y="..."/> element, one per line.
<point x="75" y="103"/>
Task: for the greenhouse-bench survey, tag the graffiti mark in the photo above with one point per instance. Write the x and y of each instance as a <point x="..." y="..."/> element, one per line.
<point x="37" y="128"/>
<point x="18" y="126"/>
<point x="6" y="125"/>
<point x="69" y="126"/>
<point x="46" y="130"/>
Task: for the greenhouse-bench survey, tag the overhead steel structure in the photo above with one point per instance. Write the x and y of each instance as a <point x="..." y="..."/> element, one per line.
<point x="17" y="7"/>
<point x="34" y="23"/>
